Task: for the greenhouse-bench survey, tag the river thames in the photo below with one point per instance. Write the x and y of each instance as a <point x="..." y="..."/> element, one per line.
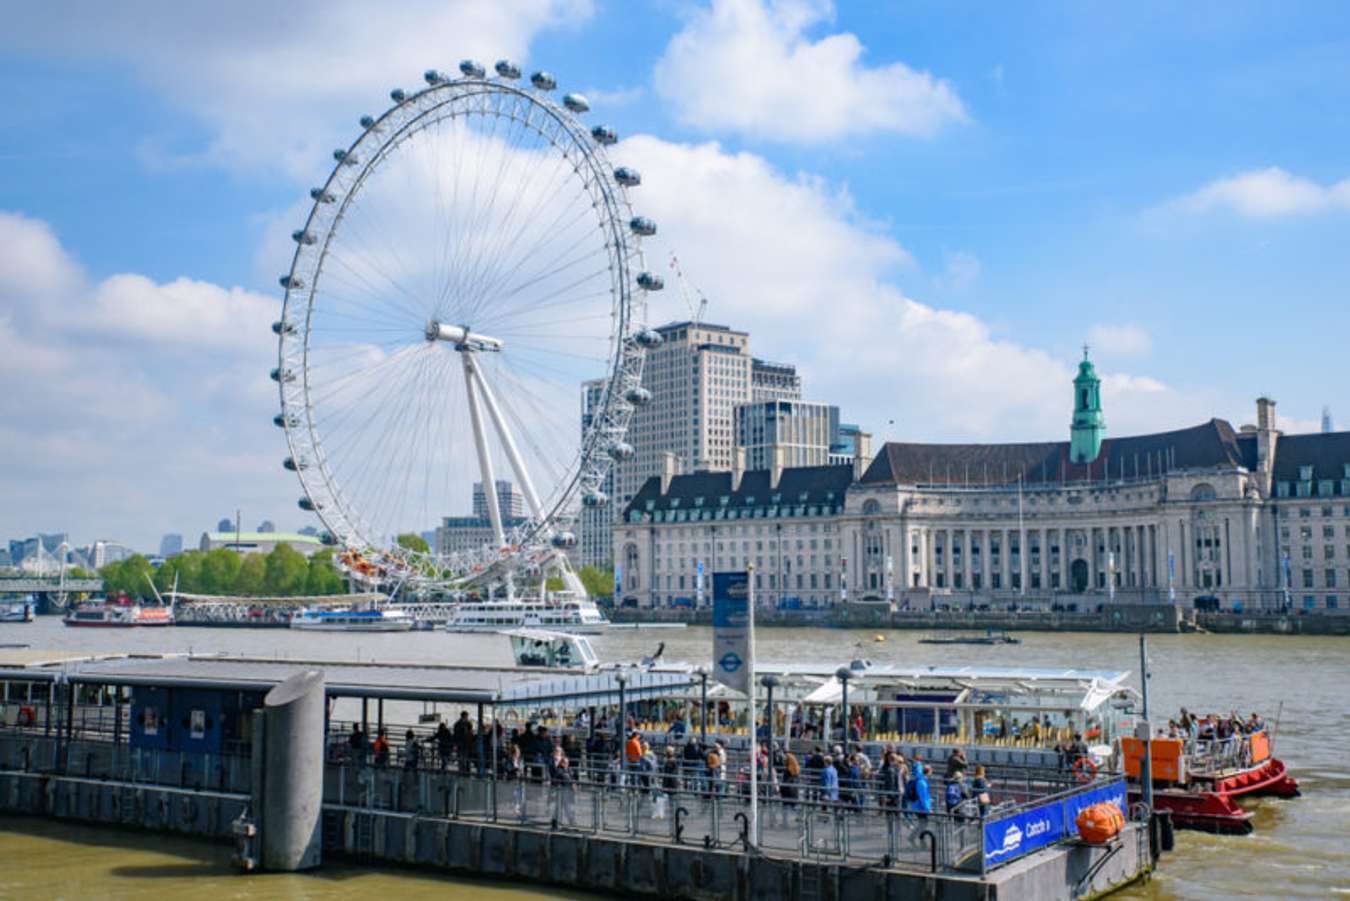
<point x="1298" y="850"/>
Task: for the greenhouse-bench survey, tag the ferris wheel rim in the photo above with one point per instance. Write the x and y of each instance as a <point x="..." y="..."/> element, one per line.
<point x="434" y="104"/>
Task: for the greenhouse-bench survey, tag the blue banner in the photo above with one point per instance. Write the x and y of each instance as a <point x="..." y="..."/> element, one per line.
<point x="1010" y="837"/>
<point x="732" y="653"/>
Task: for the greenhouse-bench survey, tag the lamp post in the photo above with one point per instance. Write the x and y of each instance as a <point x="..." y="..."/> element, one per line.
<point x="770" y="682"/>
<point x="622" y="730"/>
<point x="703" y="705"/>
<point x="843" y="674"/>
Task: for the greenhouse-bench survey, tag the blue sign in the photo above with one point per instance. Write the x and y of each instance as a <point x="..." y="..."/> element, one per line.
<point x="731" y="630"/>
<point x="1010" y="837"/>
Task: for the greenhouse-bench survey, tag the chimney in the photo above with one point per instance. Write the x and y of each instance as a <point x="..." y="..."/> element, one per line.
<point x="669" y="469"/>
<point x="1265" y="414"/>
<point x="737" y="468"/>
<point x="1265" y="442"/>
<point x="862" y="455"/>
<point x="776" y="471"/>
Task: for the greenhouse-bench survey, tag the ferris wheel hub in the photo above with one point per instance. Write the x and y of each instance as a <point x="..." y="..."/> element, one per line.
<point x="461" y="336"/>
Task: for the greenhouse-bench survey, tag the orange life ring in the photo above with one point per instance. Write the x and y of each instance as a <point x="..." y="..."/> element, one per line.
<point x="1085" y="769"/>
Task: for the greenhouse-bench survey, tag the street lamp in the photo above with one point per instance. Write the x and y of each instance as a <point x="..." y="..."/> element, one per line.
<point x="770" y="682"/>
<point x="703" y="704"/>
<point x="843" y="674"/>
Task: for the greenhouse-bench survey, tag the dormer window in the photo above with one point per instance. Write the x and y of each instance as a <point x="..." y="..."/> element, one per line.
<point x="1305" y="473"/>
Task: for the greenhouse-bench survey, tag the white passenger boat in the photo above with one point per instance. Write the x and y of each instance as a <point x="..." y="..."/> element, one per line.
<point x="347" y="619"/>
<point x="561" y="613"/>
<point x="16" y="611"/>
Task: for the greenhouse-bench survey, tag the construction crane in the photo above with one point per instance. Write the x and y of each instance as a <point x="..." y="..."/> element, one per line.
<point x="696" y="311"/>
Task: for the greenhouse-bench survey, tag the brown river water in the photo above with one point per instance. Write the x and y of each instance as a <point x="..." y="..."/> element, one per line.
<point x="1300" y="848"/>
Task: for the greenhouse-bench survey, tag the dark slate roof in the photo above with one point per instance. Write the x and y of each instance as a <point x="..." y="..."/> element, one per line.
<point x="809" y="485"/>
<point x="1326" y="452"/>
<point x="1211" y="444"/>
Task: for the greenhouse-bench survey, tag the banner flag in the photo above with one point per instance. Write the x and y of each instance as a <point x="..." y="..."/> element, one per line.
<point x="733" y="653"/>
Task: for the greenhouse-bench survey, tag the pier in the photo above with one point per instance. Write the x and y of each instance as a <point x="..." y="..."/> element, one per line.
<point x="187" y="744"/>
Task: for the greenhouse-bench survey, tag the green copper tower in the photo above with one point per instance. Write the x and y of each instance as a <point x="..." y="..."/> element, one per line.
<point x="1089" y="426"/>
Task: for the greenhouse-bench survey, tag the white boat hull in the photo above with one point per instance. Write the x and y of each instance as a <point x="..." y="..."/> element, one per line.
<point x="394" y="626"/>
<point x="570" y="629"/>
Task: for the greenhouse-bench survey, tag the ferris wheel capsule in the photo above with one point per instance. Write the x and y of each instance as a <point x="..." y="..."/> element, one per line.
<point x="398" y="95"/>
<point x="432" y="77"/>
<point x="577" y="103"/>
<point x="472" y="68"/>
<point x="282" y="375"/>
<point x="321" y="195"/>
<point x="643" y="226"/>
<point x="650" y="281"/>
<point x="638" y="397"/>
<point x="302" y="237"/>
<point x="507" y="69"/>
<point x="628" y="177"/>
<point x="562" y="540"/>
<point x="543" y="81"/>
<point x="594" y="499"/>
<point x="367" y="122"/>
<point x="291" y="281"/>
<point x="282" y="421"/>
<point x="620" y="450"/>
<point x="604" y="135"/>
<point x="282" y="327"/>
<point x="649" y="338"/>
<point x="344" y="157"/>
<point x="293" y="465"/>
<point x="308" y="505"/>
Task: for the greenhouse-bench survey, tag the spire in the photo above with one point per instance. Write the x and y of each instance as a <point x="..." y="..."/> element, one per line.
<point x="1089" y="425"/>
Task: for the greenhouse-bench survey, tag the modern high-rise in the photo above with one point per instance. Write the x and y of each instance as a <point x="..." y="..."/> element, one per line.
<point x="851" y="444"/>
<point x="171" y="545"/>
<point x="510" y="502"/>
<point x="774" y="381"/>
<point x="594" y="545"/>
<point x="794" y="432"/>
<point x="697" y="377"/>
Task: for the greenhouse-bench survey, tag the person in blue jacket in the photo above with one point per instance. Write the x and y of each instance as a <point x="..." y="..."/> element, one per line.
<point x="829" y="781"/>
<point x="918" y="797"/>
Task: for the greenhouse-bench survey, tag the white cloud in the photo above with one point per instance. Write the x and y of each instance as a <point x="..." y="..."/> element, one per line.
<point x="1126" y="340"/>
<point x="271" y="80"/>
<point x="131" y="403"/>
<point x="749" y="66"/>
<point x="1267" y="194"/>
<point x="788" y="260"/>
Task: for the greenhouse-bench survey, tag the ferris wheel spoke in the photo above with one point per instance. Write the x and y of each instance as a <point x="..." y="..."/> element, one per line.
<point x="546" y="234"/>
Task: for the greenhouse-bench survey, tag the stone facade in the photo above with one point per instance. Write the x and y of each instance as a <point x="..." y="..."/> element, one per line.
<point x="1199" y="513"/>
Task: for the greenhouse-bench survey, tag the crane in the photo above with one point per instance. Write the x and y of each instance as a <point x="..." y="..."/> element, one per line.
<point x="696" y="311"/>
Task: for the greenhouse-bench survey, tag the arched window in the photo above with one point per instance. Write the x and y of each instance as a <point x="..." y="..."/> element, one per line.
<point x="1203" y="492"/>
<point x="871" y="507"/>
<point x="630" y="566"/>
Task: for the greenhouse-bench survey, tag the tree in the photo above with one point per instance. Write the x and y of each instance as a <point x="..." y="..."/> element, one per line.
<point x="414" y="542"/>
<point x="323" y="577"/>
<point x="599" y="582"/>
<point x="252" y="578"/>
<point x="285" y="572"/>
<point x="220" y="570"/>
<point x="128" y="576"/>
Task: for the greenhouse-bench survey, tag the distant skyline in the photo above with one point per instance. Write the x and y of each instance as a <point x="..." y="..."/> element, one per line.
<point x="928" y="207"/>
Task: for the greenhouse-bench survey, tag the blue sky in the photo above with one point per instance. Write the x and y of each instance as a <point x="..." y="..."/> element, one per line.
<point x="929" y="206"/>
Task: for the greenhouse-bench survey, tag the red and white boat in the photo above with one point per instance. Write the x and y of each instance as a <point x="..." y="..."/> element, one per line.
<point x="1200" y="782"/>
<point x="119" y="612"/>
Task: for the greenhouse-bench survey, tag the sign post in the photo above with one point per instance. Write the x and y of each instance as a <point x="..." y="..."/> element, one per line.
<point x="734" y="657"/>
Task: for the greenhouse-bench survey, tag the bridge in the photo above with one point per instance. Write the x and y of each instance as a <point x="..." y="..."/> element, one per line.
<point x="46" y="584"/>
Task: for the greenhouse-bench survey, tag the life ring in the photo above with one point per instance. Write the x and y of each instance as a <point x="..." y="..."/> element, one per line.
<point x="512" y="715"/>
<point x="1085" y="769"/>
<point x="27" y="716"/>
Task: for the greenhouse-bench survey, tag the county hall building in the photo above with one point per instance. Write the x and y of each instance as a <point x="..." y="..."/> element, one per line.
<point x="1243" y="517"/>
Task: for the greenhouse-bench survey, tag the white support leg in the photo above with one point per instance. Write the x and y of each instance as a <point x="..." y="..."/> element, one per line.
<point x="480" y="442"/>
<point x="513" y="455"/>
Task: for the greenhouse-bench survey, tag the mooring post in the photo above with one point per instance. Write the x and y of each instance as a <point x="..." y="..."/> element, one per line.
<point x="292" y="773"/>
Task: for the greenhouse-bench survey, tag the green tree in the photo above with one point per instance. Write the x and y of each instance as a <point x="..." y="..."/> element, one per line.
<point x="252" y="578"/>
<point x="188" y="568"/>
<point x="220" y="570"/>
<point x="599" y="582"/>
<point x="285" y="572"/>
<point x="128" y="575"/>
<point x="323" y="577"/>
<point x="414" y="542"/>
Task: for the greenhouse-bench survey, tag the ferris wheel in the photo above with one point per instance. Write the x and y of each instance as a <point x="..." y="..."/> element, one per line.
<point x="471" y="259"/>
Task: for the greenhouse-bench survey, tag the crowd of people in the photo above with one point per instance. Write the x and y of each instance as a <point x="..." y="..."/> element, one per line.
<point x="841" y="775"/>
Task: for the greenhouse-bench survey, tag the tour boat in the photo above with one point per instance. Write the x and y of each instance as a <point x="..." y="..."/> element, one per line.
<point x="577" y="616"/>
<point x="119" y="612"/>
<point x="347" y="619"/>
<point x="1199" y="782"/>
<point x="988" y="638"/>
<point x="16" y="611"/>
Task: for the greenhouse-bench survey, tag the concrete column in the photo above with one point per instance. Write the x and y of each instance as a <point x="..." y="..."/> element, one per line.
<point x="985" y="564"/>
<point x="292" y="773"/>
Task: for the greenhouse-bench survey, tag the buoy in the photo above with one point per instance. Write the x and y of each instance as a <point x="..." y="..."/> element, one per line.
<point x="879" y="637"/>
